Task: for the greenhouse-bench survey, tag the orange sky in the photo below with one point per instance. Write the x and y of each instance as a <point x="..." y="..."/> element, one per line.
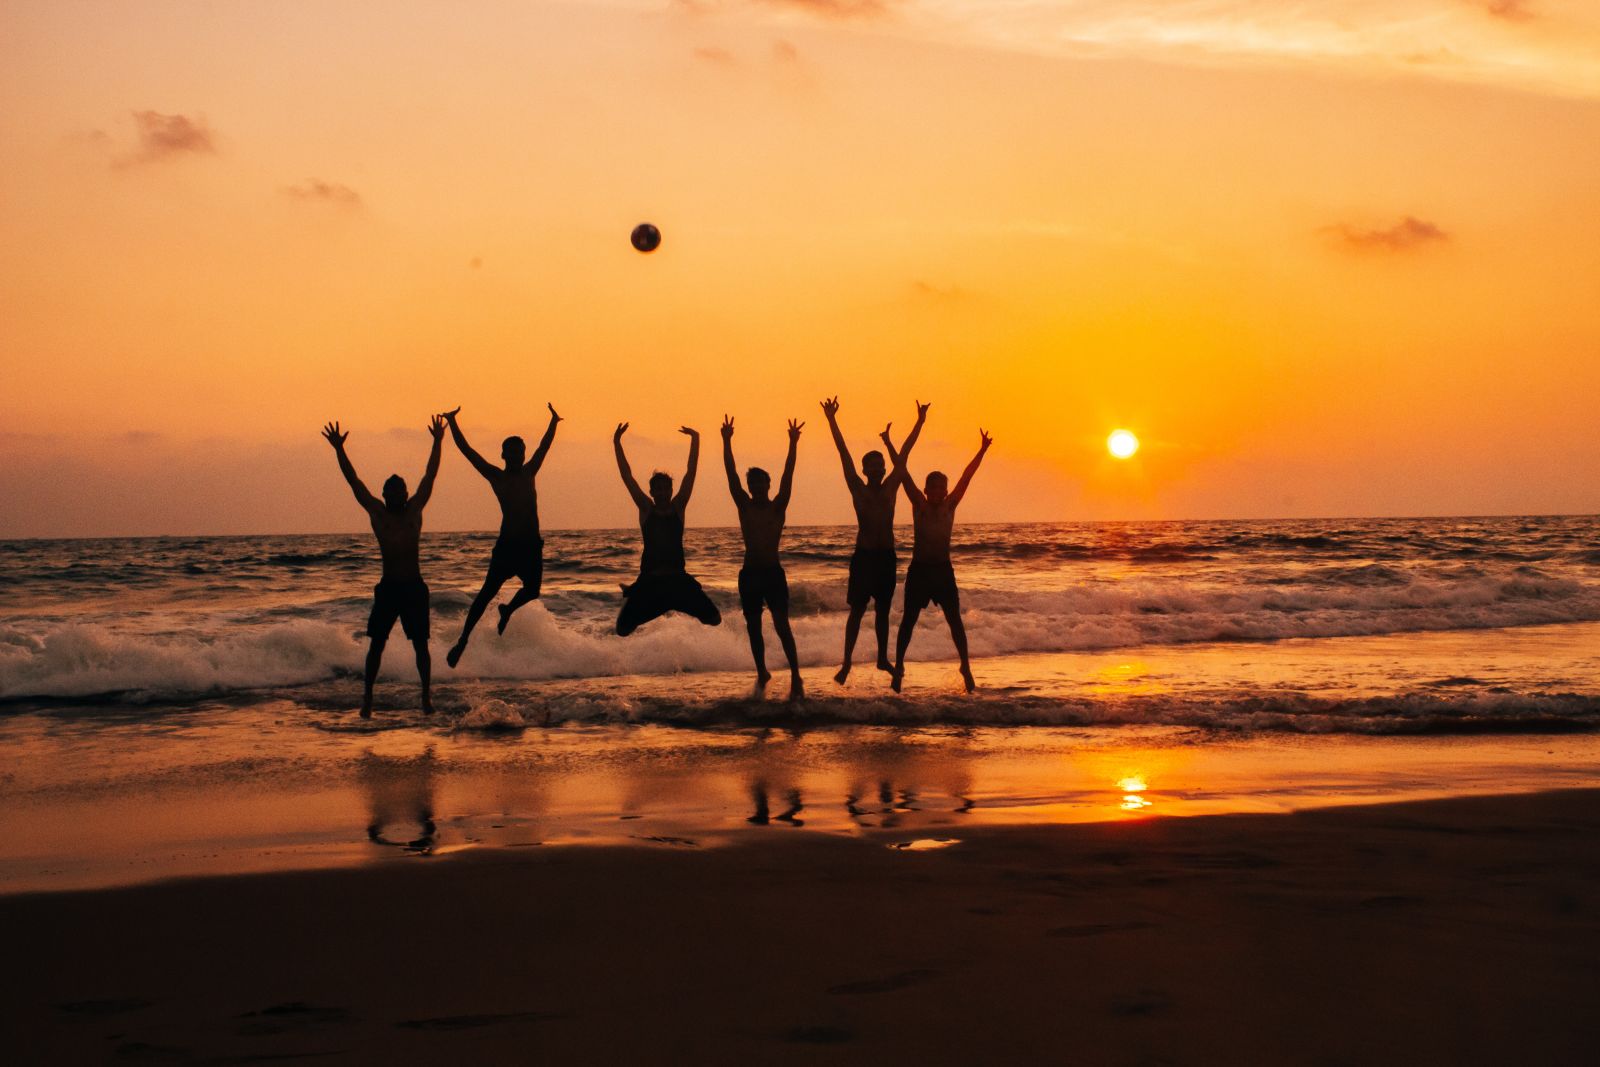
<point x="1327" y="258"/>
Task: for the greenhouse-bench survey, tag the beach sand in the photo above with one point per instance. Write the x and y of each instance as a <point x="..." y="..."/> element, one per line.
<point x="1447" y="931"/>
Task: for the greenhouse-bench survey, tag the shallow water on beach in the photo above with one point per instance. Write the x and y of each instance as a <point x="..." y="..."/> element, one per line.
<point x="173" y="707"/>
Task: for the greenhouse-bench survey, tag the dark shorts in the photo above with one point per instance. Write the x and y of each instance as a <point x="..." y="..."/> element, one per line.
<point x="760" y="586"/>
<point x="653" y="595"/>
<point x="931" y="582"/>
<point x="405" y="599"/>
<point x="518" y="557"/>
<point x="872" y="575"/>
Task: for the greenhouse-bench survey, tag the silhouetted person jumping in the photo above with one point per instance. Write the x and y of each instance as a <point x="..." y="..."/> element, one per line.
<point x="761" y="579"/>
<point x="519" y="552"/>
<point x="664" y="584"/>
<point x="931" y="578"/>
<point x="401" y="593"/>
<point x="873" y="563"/>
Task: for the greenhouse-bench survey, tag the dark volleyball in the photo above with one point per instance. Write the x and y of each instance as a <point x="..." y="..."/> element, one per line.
<point x="646" y="237"/>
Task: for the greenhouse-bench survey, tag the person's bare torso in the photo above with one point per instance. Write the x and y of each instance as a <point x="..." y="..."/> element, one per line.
<point x="762" y="526"/>
<point x="932" y="525"/>
<point x="519" y="502"/>
<point x="875" y="514"/>
<point x="399" y="536"/>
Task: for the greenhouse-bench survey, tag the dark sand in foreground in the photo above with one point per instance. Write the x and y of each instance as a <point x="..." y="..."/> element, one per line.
<point x="1460" y="931"/>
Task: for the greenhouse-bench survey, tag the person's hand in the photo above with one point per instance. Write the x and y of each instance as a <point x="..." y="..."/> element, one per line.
<point x="622" y="428"/>
<point x="794" y="430"/>
<point x="727" y="427"/>
<point x="436" y="427"/>
<point x="553" y="416"/>
<point x="922" y="410"/>
<point x="983" y="436"/>
<point x="691" y="433"/>
<point x="830" y="407"/>
<point x="450" y="416"/>
<point x="334" y="437"/>
<point x="885" y="434"/>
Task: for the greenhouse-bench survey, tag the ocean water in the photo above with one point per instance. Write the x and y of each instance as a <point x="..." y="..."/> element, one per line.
<point x="177" y="706"/>
<point x="169" y="621"/>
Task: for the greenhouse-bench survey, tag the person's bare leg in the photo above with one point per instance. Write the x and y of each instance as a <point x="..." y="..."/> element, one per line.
<point x="374" y="661"/>
<point x="780" y="623"/>
<point x="758" y="650"/>
<point x="852" y="627"/>
<point x="958" y="634"/>
<point x="508" y="609"/>
<point x="881" y="625"/>
<point x="480" y="603"/>
<point x="908" y="622"/>
<point x="425" y="672"/>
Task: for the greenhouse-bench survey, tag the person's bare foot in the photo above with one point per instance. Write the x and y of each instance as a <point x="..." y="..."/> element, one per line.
<point x="897" y="675"/>
<point x="797" y="689"/>
<point x="763" y="676"/>
<point x="366" y="709"/>
<point x="966" y="676"/>
<point x="505" y="617"/>
<point x="427" y="704"/>
<point x="884" y="665"/>
<point x="842" y="675"/>
<point x="454" y="655"/>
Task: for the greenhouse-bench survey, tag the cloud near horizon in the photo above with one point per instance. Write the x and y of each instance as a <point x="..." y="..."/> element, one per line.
<point x="1408" y="234"/>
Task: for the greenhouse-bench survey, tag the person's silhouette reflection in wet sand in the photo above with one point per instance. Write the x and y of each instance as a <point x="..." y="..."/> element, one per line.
<point x="763" y="816"/>
<point x="873" y="563"/>
<point x="401" y="594"/>
<point x="664" y="583"/>
<point x="519" y="551"/>
<point x="399" y="793"/>
<point x="931" y="578"/>
<point x="762" y="582"/>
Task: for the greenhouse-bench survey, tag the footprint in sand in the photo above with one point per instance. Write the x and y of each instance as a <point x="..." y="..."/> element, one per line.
<point x="903" y="980"/>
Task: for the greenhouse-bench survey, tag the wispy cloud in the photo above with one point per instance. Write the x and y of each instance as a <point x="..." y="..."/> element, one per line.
<point x="1407" y="235"/>
<point x="1511" y="10"/>
<point x="833" y="9"/>
<point x="719" y="57"/>
<point x="315" y="190"/>
<point x="161" y="137"/>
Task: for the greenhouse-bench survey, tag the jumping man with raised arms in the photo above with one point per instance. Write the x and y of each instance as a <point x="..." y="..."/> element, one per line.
<point x="401" y="593"/>
<point x="761" y="579"/>
<point x="519" y="552"/>
<point x="931" y="578"/>
<point x="873" y="563"/>
<point x="664" y="583"/>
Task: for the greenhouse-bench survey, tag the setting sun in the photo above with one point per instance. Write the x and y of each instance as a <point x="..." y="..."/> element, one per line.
<point x="1122" y="444"/>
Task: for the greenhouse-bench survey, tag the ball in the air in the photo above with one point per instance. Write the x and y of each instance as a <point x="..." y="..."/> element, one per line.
<point x="646" y="238"/>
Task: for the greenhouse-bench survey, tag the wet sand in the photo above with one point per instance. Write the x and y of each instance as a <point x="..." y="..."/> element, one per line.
<point x="1450" y="931"/>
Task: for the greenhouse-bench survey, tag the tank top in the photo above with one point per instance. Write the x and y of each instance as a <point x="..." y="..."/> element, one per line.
<point x="663" y="542"/>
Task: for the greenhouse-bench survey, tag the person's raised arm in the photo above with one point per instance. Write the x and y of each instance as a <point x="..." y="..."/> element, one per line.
<point x="634" y="491"/>
<point x="830" y="408"/>
<point x="545" y="442"/>
<point x="972" y="468"/>
<point x="916" y="432"/>
<point x="786" y="484"/>
<point x="681" y="501"/>
<point x="484" y="467"/>
<point x="899" y="472"/>
<point x="740" y="497"/>
<point x="419" y="499"/>
<point x="336" y="438"/>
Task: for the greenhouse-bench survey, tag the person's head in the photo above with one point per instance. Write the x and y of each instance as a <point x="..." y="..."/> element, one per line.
<point x="872" y="466"/>
<point x="394" y="493"/>
<point x="937" y="487"/>
<point x="513" y="451"/>
<point x="661" y="488"/>
<point x="759" y="481"/>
